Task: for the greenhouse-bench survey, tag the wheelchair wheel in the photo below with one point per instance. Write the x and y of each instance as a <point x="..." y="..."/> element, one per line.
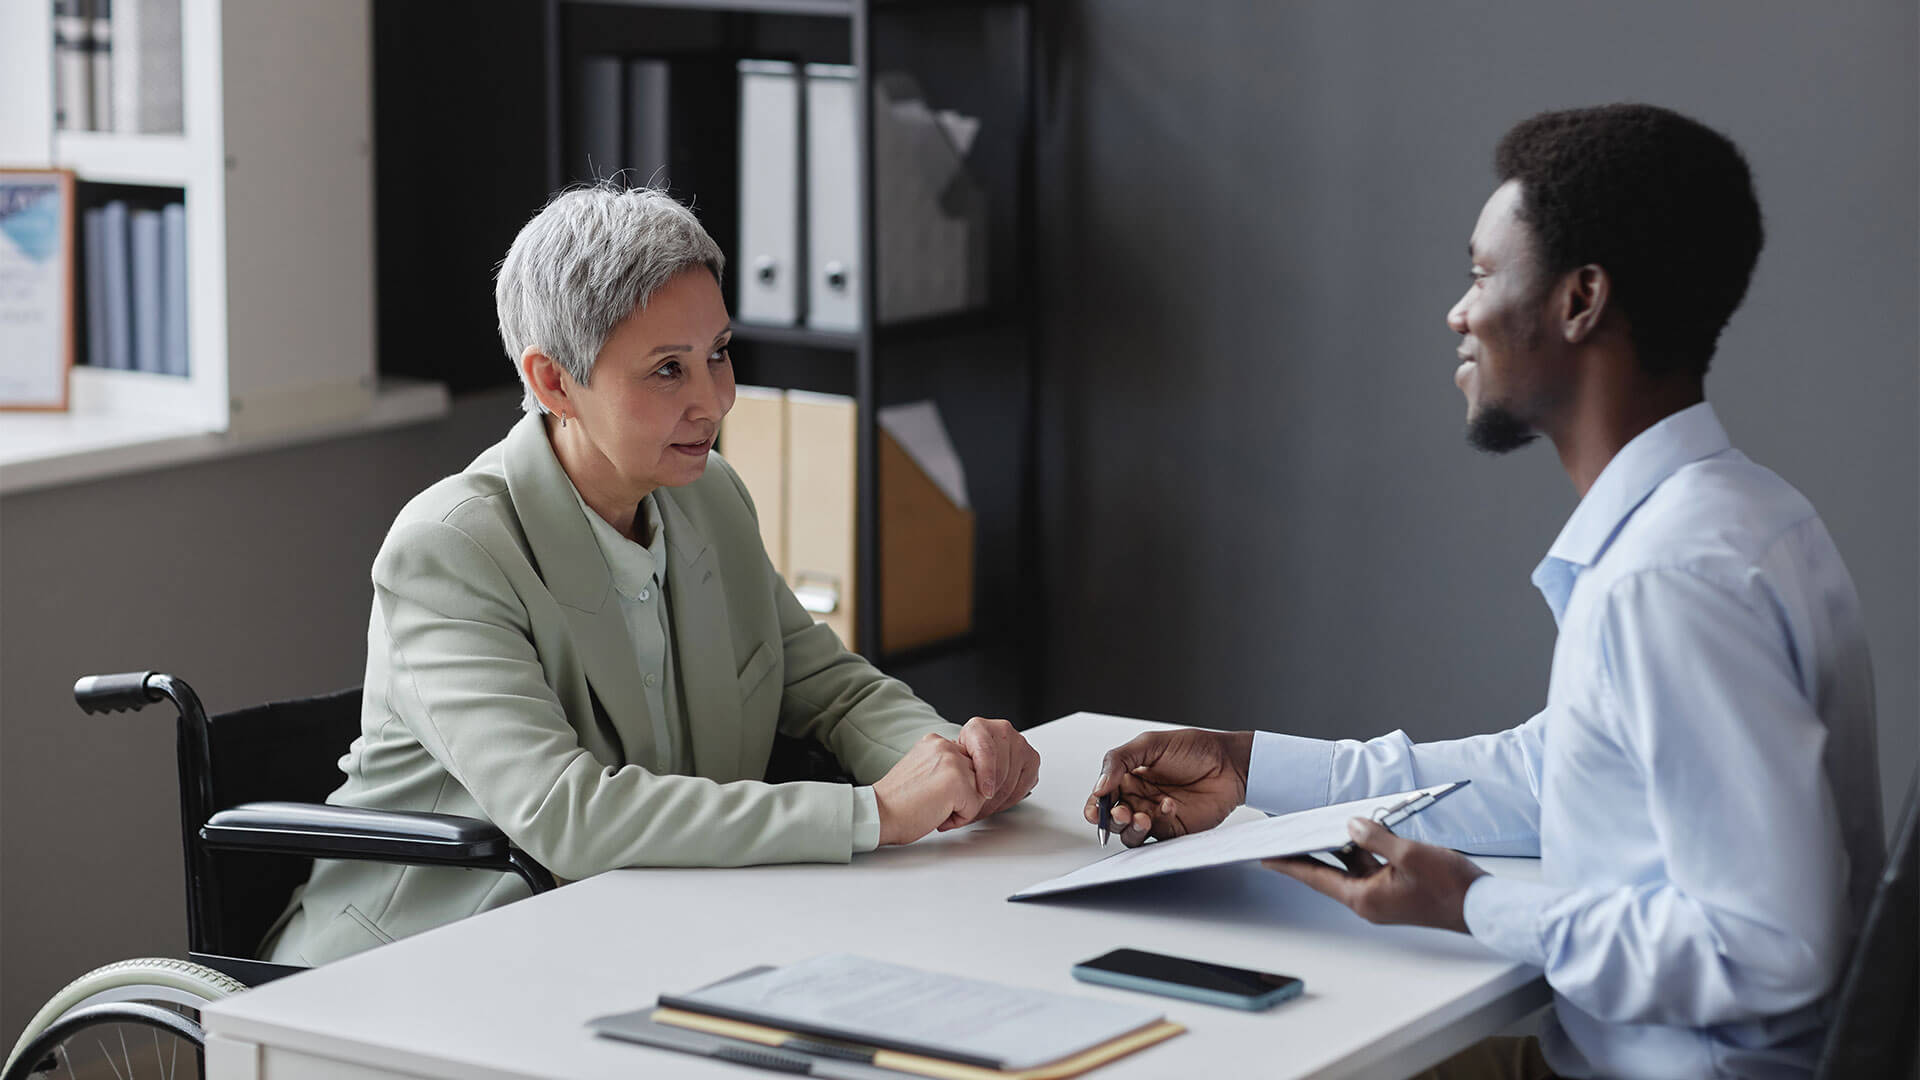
<point x="118" y="1015"/>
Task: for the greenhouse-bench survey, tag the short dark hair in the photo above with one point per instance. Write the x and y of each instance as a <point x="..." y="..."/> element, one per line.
<point x="1663" y="203"/>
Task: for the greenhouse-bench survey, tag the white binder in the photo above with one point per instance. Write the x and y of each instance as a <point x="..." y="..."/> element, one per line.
<point x="835" y="277"/>
<point x="769" y="257"/>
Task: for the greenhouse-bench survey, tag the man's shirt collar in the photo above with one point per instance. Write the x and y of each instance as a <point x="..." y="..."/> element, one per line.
<point x="1643" y="464"/>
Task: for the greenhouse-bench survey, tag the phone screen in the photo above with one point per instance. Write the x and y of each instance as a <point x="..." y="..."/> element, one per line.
<point x="1219" y="978"/>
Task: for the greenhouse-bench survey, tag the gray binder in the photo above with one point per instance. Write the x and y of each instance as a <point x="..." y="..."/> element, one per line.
<point x="650" y="125"/>
<point x="835" y="277"/>
<point x="769" y="256"/>
<point x="599" y="134"/>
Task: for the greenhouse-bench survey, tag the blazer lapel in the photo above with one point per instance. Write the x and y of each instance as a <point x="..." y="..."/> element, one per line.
<point x="576" y="573"/>
<point x="703" y="643"/>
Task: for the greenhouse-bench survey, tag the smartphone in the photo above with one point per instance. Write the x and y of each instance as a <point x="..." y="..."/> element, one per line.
<point x="1192" y="980"/>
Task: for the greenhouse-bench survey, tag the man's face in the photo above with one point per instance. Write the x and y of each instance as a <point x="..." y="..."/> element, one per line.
<point x="1505" y="331"/>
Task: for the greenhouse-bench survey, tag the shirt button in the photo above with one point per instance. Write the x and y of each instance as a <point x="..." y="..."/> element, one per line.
<point x="645" y="595"/>
<point x="652" y="680"/>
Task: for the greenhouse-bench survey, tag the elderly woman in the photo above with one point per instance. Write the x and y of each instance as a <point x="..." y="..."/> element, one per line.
<point x="581" y="638"/>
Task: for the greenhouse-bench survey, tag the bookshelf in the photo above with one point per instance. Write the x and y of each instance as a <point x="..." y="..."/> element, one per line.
<point x="980" y="365"/>
<point x="275" y="170"/>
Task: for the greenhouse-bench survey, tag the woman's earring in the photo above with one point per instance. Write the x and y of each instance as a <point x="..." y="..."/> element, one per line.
<point x="563" y="419"/>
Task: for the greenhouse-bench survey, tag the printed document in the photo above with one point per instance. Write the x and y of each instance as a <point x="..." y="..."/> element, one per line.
<point x="888" y="1005"/>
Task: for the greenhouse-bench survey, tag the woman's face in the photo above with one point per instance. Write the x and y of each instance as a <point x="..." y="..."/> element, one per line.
<point x="660" y="386"/>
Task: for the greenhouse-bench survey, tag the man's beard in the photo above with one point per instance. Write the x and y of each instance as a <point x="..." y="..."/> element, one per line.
<point x="1496" y="429"/>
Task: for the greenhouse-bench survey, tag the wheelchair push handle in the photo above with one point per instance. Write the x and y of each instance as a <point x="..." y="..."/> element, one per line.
<point x="114" y="693"/>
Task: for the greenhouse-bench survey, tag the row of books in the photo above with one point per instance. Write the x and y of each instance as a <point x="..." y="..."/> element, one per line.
<point x="135" y="269"/>
<point x="117" y="66"/>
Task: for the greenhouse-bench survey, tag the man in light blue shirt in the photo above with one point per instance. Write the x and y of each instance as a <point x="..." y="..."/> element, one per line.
<point x="1701" y="786"/>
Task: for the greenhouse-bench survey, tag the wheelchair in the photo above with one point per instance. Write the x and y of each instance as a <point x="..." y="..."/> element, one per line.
<point x="234" y="771"/>
<point x="253" y="784"/>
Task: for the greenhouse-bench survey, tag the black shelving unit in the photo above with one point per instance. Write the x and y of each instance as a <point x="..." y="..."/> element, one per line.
<point x="979" y="366"/>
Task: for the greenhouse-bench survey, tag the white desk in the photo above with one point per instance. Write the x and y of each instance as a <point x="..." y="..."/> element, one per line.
<point x="507" y="993"/>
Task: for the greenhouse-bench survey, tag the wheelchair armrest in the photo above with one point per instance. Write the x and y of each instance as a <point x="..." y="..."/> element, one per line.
<point x="353" y="832"/>
<point x="346" y="832"/>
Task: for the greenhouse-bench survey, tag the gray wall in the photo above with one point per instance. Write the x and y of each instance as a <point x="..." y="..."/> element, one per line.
<point x="248" y="578"/>
<point x="1261" y="510"/>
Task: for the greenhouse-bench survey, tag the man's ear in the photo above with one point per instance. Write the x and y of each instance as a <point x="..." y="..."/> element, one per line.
<point x="549" y="381"/>
<point x="1585" y="293"/>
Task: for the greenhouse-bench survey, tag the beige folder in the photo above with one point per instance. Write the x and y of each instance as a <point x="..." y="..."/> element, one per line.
<point x="926" y="554"/>
<point x="798" y="452"/>
<point x="822" y="544"/>
<point x="754" y="440"/>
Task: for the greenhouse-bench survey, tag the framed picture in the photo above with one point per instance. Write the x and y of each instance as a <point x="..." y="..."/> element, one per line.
<point x="36" y="288"/>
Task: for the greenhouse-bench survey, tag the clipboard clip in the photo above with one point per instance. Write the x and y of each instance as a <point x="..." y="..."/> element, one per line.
<point x="1389" y="816"/>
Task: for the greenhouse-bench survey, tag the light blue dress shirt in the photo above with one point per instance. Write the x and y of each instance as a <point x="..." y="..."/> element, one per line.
<point x="1701" y="787"/>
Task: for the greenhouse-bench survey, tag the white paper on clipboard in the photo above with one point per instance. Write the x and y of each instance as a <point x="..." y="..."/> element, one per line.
<point x="1320" y="829"/>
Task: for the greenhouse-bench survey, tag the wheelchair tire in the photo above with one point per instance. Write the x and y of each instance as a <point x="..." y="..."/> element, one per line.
<point x="149" y="980"/>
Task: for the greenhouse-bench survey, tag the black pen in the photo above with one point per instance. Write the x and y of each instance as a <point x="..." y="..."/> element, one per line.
<point x="1106" y="812"/>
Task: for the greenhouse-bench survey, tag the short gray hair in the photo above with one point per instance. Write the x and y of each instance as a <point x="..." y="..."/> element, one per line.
<point x="585" y="262"/>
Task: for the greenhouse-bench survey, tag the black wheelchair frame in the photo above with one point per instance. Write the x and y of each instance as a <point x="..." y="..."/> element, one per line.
<point x="226" y="764"/>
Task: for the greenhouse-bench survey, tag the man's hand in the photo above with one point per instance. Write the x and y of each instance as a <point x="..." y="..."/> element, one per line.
<point x="1171" y="783"/>
<point x="1419" y="884"/>
<point x="933" y="784"/>
<point x="1005" y="767"/>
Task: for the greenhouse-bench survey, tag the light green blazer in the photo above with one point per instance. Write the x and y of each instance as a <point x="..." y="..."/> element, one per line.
<point x="502" y="684"/>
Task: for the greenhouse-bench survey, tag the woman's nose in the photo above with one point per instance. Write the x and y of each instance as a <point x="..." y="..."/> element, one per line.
<point x="706" y="398"/>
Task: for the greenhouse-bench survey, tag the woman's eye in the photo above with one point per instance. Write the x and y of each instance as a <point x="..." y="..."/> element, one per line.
<point x="670" y="369"/>
<point x="720" y="355"/>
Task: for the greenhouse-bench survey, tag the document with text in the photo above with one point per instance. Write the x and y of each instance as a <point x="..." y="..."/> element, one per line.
<point x="1320" y="829"/>
<point x="879" y="1004"/>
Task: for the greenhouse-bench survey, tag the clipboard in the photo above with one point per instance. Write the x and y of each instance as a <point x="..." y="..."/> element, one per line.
<point x="1308" y="832"/>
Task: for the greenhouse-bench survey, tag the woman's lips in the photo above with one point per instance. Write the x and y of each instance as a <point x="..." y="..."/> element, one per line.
<point x="695" y="449"/>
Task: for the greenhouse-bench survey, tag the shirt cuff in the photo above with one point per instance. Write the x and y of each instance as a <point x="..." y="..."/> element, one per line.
<point x="1287" y="773"/>
<point x="866" y="820"/>
<point x="1510" y="916"/>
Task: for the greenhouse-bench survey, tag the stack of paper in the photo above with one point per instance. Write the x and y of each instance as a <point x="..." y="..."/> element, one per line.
<point x="888" y="1017"/>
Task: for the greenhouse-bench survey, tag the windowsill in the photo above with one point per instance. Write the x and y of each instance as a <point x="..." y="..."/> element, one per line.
<point x="41" y="450"/>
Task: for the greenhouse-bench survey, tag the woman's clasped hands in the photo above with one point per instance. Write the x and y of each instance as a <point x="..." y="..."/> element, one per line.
<point x="947" y="783"/>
